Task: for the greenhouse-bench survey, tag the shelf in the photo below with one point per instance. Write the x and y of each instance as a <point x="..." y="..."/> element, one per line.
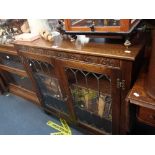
<point x="13" y="64"/>
<point x="14" y="70"/>
<point x="24" y="82"/>
<point x="143" y="99"/>
<point x="20" y="91"/>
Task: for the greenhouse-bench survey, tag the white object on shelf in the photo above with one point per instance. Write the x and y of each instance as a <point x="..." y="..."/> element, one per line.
<point x="83" y="39"/>
<point x="27" y="37"/>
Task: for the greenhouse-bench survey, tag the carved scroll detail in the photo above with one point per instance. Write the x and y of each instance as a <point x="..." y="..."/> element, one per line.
<point x="72" y="56"/>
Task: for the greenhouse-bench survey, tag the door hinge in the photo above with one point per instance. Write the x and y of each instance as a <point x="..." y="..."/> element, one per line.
<point x="120" y="84"/>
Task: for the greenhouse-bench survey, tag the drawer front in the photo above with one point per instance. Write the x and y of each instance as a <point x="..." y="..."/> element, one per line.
<point x="147" y="116"/>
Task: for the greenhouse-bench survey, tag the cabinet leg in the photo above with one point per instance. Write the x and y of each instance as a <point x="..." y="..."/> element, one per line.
<point x="125" y="126"/>
<point x="127" y="116"/>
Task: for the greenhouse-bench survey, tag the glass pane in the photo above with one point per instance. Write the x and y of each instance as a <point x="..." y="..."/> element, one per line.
<point x="48" y="84"/>
<point x="11" y="61"/>
<point x="91" y="94"/>
<point x="20" y="81"/>
<point x="96" y="22"/>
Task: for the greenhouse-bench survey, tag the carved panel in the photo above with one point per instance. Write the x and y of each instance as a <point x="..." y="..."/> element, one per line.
<point x="109" y="62"/>
<point x="71" y="56"/>
<point x="89" y="59"/>
<point x="78" y="57"/>
<point x="22" y="48"/>
<point x="35" y="50"/>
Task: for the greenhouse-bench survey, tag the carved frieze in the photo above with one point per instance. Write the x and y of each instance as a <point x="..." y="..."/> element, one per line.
<point x="89" y="59"/>
<point x="72" y="56"/>
<point x="110" y="62"/>
<point x="22" y="48"/>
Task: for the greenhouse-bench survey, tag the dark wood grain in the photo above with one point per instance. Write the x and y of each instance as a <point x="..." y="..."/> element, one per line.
<point x="107" y="50"/>
<point x="142" y="100"/>
<point x="150" y="87"/>
<point x="14" y="70"/>
<point x="20" y="91"/>
<point x="3" y="84"/>
<point x="146" y="116"/>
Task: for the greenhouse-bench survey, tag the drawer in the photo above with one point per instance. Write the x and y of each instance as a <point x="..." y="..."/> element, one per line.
<point x="146" y="116"/>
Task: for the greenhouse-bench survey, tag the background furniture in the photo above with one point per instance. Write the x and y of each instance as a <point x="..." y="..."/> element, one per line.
<point x="100" y="25"/>
<point x="14" y="73"/>
<point x="143" y="104"/>
<point x="150" y="85"/>
<point x="140" y="102"/>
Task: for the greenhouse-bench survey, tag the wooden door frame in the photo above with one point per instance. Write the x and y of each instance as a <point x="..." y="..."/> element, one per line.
<point x="114" y="73"/>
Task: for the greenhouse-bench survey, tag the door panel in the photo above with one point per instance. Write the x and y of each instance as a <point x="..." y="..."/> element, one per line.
<point x="95" y="98"/>
<point x="48" y="84"/>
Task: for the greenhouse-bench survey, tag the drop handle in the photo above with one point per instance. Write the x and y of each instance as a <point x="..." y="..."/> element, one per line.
<point x="92" y="26"/>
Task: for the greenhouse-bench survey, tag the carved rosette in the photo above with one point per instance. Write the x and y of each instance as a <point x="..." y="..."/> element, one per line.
<point x="110" y="62"/>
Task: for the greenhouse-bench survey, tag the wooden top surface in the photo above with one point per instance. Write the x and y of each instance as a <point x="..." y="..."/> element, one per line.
<point x="8" y="48"/>
<point x="111" y="50"/>
<point x="139" y="88"/>
<point x="6" y="45"/>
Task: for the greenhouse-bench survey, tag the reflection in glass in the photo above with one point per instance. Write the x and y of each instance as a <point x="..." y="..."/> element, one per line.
<point x="23" y="82"/>
<point x="11" y="61"/>
<point x="96" y="22"/>
<point x="91" y="94"/>
<point x="48" y="85"/>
